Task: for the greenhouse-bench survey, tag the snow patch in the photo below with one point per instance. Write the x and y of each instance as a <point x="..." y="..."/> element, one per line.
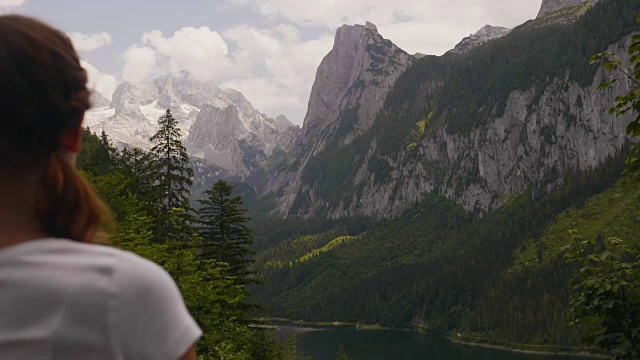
<point x="152" y="112"/>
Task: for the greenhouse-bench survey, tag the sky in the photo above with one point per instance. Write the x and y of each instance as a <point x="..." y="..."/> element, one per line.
<point x="267" y="49"/>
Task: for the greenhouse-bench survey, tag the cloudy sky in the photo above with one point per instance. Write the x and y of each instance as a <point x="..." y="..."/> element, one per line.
<point x="268" y="49"/>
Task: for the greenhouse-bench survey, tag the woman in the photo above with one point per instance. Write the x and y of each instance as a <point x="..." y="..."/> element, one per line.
<point x="62" y="297"/>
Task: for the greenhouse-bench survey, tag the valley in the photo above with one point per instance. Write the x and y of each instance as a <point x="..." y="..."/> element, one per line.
<point x="435" y="193"/>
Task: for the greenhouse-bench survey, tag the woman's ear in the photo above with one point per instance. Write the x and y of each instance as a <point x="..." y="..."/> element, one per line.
<point x="71" y="140"/>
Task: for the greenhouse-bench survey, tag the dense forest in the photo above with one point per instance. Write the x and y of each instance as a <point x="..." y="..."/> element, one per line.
<point x="558" y="268"/>
<point x="519" y="275"/>
<point x="207" y="252"/>
<point x="439" y="267"/>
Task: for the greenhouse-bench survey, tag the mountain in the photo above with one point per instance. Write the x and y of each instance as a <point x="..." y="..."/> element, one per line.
<point x="98" y="100"/>
<point x="550" y="7"/>
<point x="282" y="123"/>
<point x="450" y="211"/>
<point x="201" y="109"/>
<point x="351" y="84"/>
<point x="484" y="35"/>
<point x="384" y="130"/>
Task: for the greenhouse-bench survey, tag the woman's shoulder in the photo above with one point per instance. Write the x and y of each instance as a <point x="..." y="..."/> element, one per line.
<point x="127" y="270"/>
<point x="136" y="273"/>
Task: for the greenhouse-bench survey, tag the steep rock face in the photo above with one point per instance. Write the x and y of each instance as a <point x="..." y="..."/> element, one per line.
<point x="483" y="36"/>
<point x="358" y="72"/>
<point x="477" y="129"/>
<point x="351" y="85"/>
<point x="552" y="6"/>
<point x="539" y="138"/>
<point x="215" y="138"/>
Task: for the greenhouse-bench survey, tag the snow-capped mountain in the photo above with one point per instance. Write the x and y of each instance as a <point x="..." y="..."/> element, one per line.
<point x="219" y="126"/>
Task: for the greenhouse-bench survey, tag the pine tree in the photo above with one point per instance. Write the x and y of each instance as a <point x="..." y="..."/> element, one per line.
<point x="174" y="173"/>
<point x="138" y="166"/>
<point x="225" y="235"/>
<point x="97" y="154"/>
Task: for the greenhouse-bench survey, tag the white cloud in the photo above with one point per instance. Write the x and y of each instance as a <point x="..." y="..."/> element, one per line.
<point x="88" y="42"/>
<point x="198" y="51"/>
<point x="278" y="67"/>
<point x="8" y="5"/>
<point x="11" y="3"/>
<point x="428" y="26"/>
<point x="105" y="84"/>
<point x="140" y="64"/>
<point x="273" y="67"/>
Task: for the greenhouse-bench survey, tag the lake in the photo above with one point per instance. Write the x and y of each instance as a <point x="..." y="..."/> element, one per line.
<point x="324" y="344"/>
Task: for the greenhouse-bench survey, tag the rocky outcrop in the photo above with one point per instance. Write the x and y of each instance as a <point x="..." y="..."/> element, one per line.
<point x="216" y="138"/>
<point x="358" y="72"/>
<point x="552" y="6"/>
<point x="483" y="36"/>
<point x="351" y="85"/>
<point x="539" y="138"/>
<point x="282" y="123"/>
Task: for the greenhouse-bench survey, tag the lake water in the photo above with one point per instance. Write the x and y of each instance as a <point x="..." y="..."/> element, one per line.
<point x="324" y="344"/>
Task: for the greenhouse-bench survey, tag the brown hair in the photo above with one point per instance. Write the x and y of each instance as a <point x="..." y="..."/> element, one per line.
<point x="43" y="97"/>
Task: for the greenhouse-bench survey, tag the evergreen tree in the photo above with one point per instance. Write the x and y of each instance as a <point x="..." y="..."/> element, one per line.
<point x="138" y="167"/>
<point x="174" y="173"/>
<point x="225" y="235"/>
<point x="97" y="155"/>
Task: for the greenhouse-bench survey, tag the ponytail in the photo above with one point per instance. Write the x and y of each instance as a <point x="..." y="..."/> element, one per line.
<point x="68" y="206"/>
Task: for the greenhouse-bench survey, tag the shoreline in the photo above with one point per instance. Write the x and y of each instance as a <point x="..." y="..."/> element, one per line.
<point x="481" y="343"/>
<point x="549" y="352"/>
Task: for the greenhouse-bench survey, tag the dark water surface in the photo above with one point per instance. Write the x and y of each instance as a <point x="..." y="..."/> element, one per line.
<point x="324" y="344"/>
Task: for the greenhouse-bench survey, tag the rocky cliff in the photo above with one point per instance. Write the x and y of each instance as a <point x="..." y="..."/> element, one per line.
<point x="351" y="84"/>
<point x="359" y="72"/>
<point x="518" y="114"/>
<point x="552" y="6"/>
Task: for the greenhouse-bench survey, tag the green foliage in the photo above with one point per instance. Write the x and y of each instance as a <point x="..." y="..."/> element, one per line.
<point x="170" y="164"/>
<point x="629" y="102"/>
<point x="95" y="157"/>
<point x="606" y="290"/>
<point x="330" y="246"/>
<point x="606" y="295"/>
<point x="214" y="297"/>
<point x="225" y="235"/>
<point x="438" y="267"/>
<point x="462" y="93"/>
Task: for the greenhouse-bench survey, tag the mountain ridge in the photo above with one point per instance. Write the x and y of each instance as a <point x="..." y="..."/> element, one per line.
<point x="132" y="114"/>
<point x="455" y="126"/>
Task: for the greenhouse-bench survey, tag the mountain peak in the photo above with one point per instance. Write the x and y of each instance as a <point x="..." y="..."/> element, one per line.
<point x="282" y="123"/>
<point x="360" y="56"/>
<point x="488" y="30"/>
<point x="371" y="26"/>
<point x="550" y="7"/>
<point x="481" y="37"/>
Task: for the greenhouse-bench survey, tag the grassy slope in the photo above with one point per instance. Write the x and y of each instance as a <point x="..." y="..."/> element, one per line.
<point x="613" y="213"/>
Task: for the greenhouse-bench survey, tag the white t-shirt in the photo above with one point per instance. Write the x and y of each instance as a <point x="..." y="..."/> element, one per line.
<point x="61" y="299"/>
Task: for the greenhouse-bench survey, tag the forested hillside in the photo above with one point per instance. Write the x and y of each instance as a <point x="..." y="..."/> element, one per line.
<point x="500" y="277"/>
<point x="207" y="252"/>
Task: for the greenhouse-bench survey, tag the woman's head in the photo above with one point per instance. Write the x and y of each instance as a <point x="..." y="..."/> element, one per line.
<point x="43" y="98"/>
<point x="43" y="93"/>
